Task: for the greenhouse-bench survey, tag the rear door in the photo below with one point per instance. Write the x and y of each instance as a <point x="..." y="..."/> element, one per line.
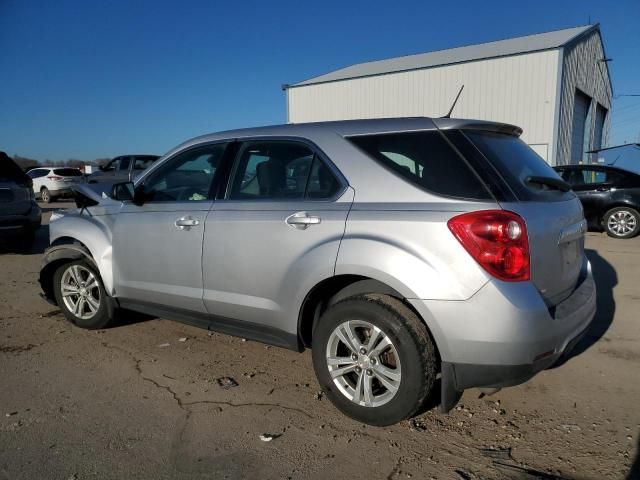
<point x="157" y="246"/>
<point x="554" y="219"/>
<point x="280" y="223"/>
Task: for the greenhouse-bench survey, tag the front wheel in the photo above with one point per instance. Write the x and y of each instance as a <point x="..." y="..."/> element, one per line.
<point x="374" y="359"/>
<point x="622" y="222"/>
<point x="81" y="296"/>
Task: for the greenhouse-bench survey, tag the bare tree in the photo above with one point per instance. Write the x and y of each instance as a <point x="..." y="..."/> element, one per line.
<point x="25" y="163"/>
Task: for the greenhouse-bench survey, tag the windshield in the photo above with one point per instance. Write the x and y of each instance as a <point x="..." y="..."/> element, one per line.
<point x="516" y="162"/>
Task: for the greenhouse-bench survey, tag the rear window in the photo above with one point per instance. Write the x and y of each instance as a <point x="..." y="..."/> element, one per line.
<point x="67" y="172"/>
<point x="425" y="159"/>
<point x="515" y="161"/>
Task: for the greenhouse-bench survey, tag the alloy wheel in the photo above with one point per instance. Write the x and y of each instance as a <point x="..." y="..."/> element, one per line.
<point x="621" y="222"/>
<point x="80" y="291"/>
<point x="363" y="363"/>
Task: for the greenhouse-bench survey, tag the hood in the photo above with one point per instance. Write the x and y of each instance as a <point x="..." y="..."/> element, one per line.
<point x="92" y="194"/>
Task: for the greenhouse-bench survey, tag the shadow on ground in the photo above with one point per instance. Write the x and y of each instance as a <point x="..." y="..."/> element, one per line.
<point x="606" y="279"/>
<point x="634" y="473"/>
<point x="14" y="244"/>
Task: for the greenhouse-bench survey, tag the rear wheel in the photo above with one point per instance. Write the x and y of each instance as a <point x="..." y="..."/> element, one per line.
<point x="81" y="296"/>
<point x="622" y="222"/>
<point x="374" y="359"/>
<point x="45" y="195"/>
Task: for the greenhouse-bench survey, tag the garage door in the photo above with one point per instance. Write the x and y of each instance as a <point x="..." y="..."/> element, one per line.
<point x="580" y="111"/>
<point x="601" y="115"/>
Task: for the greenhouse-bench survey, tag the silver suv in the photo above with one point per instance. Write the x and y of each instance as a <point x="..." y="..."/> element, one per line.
<point x="397" y="249"/>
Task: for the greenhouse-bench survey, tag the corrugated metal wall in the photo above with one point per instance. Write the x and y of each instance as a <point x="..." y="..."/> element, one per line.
<point x="518" y="89"/>
<point x="583" y="71"/>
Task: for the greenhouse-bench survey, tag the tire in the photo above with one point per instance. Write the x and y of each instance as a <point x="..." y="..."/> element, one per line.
<point x="410" y="359"/>
<point x="622" y="222"/>
<point x="45" y="195"/>
<point x="103" y="315"/>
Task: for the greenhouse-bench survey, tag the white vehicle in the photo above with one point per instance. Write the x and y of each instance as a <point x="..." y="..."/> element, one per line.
<point x="51" y="182"/>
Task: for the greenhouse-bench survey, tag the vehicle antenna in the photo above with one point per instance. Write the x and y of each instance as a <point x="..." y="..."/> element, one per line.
<point x="448" y="115"/>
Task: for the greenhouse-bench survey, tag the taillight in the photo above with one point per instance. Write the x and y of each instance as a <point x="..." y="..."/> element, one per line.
<point x="497" y="240"/>
<point x="54" y="178"/>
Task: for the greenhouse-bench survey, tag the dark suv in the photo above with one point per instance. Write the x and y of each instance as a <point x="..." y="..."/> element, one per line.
<point x="122" y="169"/>
<point x="610" y="197"/>
<point x="19" y="213"/>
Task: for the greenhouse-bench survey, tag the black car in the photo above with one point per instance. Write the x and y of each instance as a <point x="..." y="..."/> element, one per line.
<point x="19" y="213"/>
<point x="610" y="197"/>
<point x="122" y="169"/>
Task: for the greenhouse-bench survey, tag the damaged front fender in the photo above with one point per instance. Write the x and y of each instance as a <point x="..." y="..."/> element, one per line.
<point x="55" y="256"/>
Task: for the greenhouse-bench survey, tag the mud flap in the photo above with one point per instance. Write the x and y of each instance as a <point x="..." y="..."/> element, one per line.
<point x="449" y="395"/>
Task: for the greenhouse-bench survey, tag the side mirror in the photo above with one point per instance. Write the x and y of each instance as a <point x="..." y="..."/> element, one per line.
<point x="123" y="192"/>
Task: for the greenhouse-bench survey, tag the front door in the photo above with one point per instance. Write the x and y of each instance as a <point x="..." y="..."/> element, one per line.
<point x="278" y="228"/>
<point x="157" y="246"/>
<point x="593" y="187"/>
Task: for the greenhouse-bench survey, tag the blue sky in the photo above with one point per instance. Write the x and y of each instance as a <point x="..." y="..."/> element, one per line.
<point x="88" y="79"/>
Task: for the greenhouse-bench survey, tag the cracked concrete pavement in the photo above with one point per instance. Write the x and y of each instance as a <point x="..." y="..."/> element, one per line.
<point x="115" y="404"/>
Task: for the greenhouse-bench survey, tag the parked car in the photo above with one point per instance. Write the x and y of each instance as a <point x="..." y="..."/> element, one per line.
<point x="122" y="169"/>
<point x="20" y="215"/>
<point x="406" y="248"/>
<point x="610" y="197"/>
<point x="50" y="183"/>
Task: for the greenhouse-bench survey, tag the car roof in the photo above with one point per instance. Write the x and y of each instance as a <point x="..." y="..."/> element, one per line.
<point x="596" y="167"/>
<point x="346" y="128"/>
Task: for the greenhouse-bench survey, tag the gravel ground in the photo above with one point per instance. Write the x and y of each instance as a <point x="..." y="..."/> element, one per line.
<point x="120" y="403"/>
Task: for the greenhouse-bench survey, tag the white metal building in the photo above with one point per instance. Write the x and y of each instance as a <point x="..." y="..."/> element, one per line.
<point x="554" y="85"/>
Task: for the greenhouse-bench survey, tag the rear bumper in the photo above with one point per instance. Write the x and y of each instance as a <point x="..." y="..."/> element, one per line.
<point x="466" y="375"/>
<point x="505" y="334"/>
<point x="19" y="223"/>
<point x="62" y="192"/>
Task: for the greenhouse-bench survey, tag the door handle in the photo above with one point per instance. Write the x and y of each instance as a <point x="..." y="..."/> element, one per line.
<point x="185" y="223"/>
<point x="302" y="220"/>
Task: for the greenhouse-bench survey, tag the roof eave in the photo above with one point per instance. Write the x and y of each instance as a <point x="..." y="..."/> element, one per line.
<point x="306" y="83"/>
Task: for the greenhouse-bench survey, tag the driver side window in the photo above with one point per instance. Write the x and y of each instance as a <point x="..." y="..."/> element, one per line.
<point x="188" y="176"/>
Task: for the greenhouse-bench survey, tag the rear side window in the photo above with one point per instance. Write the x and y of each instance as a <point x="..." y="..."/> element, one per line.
<point x="142" y="163"/>
<point x="515" y="161"/>
<point x="425" y="159"/>
<point x="67" y="172"/>
<point x="322" y="184"/>
<point x="124" y="163"/>
<point x="281" y="170"/>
